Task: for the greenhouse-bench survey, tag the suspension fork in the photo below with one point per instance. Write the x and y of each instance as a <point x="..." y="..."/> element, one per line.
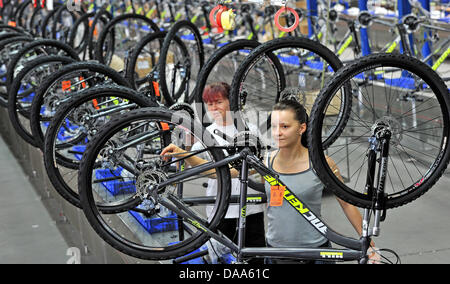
<point x="369" y="190"/>
<point x="379" y="143"/>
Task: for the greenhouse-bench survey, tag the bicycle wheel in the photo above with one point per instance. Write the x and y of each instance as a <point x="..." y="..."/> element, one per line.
<point x="395" y="91"/>
<point x="180" y="64"/>
<point x="99" y="23"/>
<point x="74" y="124"/>
<point x="144" y="59"/>
<point x="135" y="141"/>
<point x="62" y="23"/>
<point x="127" y="31"/>
<point x="220" y="67"/>
<point x="79" y="33"/>
<point x="24" y="14"/>
<point x="37" y="48"/>
<point x="6" y="28"/>
<point x="9" y="47"/>
<point x="23" y="90"/>
<point x="61" y="85"/>
<point x="8" y="11"/>
<point x="47" y="23"/>
<point x="36" y="20"/>
<point x="296" y="66"/>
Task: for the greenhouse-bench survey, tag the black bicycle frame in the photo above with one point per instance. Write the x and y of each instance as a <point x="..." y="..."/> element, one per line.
<point x="355" y="249"/>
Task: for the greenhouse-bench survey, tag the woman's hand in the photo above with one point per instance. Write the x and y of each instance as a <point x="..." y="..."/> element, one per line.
<point x="374" y="255"/>
<point x="171" y="150"/>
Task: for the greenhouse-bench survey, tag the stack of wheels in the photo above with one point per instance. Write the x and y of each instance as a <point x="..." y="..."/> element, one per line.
<point x="102" y="91"/>
<point x="50" y="81"/>
<point x="65" y="74"/>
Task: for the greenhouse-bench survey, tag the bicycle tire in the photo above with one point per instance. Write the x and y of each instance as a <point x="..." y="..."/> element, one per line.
<point x="8" y="28"/>
<point x="55" y="29"/>
<point x="105" y="17"/>
<point x="53" y="160"/>
<point x="37" y="17"/>
<point x="132" y="63"/>
<point x="171" y="35"/>
<point x="8" y="11"/>
<point x="83" y="20"/>
<point x="331" y="60"/>
<point x="133" y="60"/>
<point x="437" y="168"/>
<point x="3" y="44"/>
<point x="16" y="10"/>
<point x="38" y="44"/>
<point x="14" y="91"/>
<point x="204" y="74"/>
<point x="19" y="14"/>
<point x="211" y="63"/>
<point x="103" y="229"/>
<point x="99" y="47"/>
<point x="45" y="27"/>
<point x="35" y="116"/>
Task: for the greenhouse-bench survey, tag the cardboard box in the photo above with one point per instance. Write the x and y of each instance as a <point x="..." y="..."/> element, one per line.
<point x="144" y="66"/>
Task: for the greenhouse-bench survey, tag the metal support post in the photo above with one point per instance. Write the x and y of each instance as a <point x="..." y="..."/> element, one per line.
<point x="365" y="44"/>
<point x="404" y="8"/>
<point x="311" y="5"/>
<point x="426" y="49"/>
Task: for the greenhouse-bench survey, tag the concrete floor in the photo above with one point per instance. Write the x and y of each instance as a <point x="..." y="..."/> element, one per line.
<point x="28" y="234"/>
<point x="418" y="232"/>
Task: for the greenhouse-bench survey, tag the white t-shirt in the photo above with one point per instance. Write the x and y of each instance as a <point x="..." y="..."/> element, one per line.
<point x="233" y="210"/>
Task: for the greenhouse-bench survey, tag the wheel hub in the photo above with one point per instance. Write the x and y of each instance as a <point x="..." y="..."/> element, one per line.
<point x="147" y="181"/>
<point x="392" y="125"/>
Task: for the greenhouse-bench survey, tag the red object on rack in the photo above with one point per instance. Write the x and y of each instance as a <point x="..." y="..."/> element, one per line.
<point x="214" y="17"/>
<point x="277" y="19"/>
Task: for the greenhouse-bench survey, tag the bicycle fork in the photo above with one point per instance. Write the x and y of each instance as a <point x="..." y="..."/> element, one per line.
<point x="379" y="142"/>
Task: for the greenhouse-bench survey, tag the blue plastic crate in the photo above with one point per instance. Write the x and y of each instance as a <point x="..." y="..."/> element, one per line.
<point x="404" y="82"/>
<point x="80" y="149"/>
<point x="295" y="60"/>
<point x="227" y="259"/>
<point x="188" y="37"/>
<point x="62" y="135"/>
<point x="157" y="225"/>
<point x="115" y="187"/>
<point x="198" y="260"/>
<point x="29" y="98"/>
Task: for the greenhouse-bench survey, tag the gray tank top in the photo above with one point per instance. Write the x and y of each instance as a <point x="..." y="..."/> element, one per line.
<point x="286" y="227"/>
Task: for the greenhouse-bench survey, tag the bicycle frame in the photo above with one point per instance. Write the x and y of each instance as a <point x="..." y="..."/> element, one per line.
<point x="401" y="39"/>
<point x="355" y="249"/>
<point x="444" y="55"/>
<point x="349" y="37"/>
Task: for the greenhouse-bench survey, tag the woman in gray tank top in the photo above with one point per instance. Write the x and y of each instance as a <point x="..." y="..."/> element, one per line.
<point x="292" y="163"/>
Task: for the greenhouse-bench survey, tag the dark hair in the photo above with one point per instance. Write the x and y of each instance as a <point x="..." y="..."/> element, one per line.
<point x="290" y="101"/>
<point x="215" y="91"/>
